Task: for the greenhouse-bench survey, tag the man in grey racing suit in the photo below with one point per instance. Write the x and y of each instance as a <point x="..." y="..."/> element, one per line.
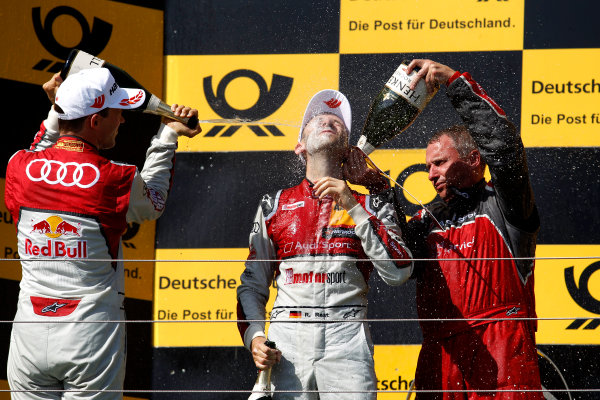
<point x="324" y="240"/>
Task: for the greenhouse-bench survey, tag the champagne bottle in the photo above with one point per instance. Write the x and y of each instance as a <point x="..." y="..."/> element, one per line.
<point x="394" y="109"/>
<point x="262" y="388"/>
<point x="79" y="60"/>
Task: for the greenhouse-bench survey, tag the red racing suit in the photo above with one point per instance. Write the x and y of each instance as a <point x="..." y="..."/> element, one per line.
<point x="495" y="220"/>
<point x="321" y="266"/>
<point x="71" y="206"/>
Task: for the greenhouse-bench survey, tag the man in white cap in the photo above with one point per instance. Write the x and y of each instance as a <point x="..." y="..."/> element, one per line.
<point x="324" y="240"/>
<point x="71" y="206"/>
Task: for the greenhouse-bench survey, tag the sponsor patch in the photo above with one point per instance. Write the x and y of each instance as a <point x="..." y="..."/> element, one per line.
<point x="330" y="232"/>
<point x="54" y="227"/>
<point x="156" y="198"/>
<point x="513" y="311"/>
<point x="351" y="314"/>
<point x="376" y="202"/>
<point x="333" y="103"/>
<point x="70" y="145"/>
<point x="330" y="278"/>
<point x="133" y="100"/>
<point x="98" y="102"/>
<point x="267" y="202"/>
<point x="53" y="307"/>
<point x="54" y="172"/>
<point x="293" y="206"/>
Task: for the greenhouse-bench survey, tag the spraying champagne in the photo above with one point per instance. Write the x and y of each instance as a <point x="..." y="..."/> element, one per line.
<point x="79" y="60"/>
<point x="394" y="109"/>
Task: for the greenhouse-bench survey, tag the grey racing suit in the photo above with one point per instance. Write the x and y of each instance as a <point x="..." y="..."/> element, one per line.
<point x="320" y="257"/>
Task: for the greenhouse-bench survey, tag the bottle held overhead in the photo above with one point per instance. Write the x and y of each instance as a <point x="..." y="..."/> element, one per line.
<point x="79" y="60"/>
<point x="394" y="109"/>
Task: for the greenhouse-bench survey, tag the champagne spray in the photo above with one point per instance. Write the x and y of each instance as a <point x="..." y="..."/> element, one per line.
<point x="79" y="60"/>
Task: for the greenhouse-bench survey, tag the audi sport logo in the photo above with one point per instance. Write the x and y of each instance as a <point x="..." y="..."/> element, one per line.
<point x="54" y="172"/>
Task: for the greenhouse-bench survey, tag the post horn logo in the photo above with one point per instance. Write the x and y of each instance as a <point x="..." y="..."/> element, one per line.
<point x="268" y="102"/>
<point x="132" y="230"/>
<point x="93" y="40"/>
<point x="409" y="207"/>
<point x="582" y="296"/>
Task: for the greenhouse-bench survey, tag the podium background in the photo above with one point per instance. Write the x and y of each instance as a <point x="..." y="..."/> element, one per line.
<point x="264" y="60"/>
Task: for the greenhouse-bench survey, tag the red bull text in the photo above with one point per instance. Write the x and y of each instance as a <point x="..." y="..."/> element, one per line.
<point x="57" y="248"/>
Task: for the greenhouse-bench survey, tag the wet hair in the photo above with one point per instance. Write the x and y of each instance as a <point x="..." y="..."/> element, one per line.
<point x="462" y="139"/>
<point x="463" y="142"/>
<point x="75" y="125"/>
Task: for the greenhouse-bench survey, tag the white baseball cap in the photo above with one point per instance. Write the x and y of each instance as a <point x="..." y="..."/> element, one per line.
<point x="327" y="101"/>
<point x="94" y="89"/>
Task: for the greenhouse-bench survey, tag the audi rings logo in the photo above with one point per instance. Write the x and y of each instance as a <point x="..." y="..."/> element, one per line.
<point x="67" y="174"/>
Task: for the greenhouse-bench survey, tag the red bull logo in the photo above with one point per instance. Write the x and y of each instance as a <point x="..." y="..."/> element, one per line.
<point x="55" y="226"/>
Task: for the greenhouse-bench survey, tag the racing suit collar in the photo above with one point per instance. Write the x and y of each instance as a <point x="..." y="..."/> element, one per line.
<point x="465" y="199"/>
<point x="75" y="143"/>
<point x="307" y="187"/>
<point x="309" y="191"/>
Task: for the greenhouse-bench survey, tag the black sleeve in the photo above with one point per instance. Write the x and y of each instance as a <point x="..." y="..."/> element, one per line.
<point x="502" y="149"/>
<point x="414" y="232"/>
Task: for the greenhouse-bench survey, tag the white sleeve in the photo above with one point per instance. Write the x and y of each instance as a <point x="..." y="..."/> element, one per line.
<point x="150" y="187"/>
<point x="48" y="133"/>
<point x="253" y="292"/>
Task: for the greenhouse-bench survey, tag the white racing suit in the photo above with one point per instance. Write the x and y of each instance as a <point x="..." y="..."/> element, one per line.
<point x="321" y="267"/>
<point x="72" y="205"/>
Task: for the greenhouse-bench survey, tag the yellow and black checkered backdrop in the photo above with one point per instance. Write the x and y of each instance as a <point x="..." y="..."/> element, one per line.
<point x="263" y="60"/>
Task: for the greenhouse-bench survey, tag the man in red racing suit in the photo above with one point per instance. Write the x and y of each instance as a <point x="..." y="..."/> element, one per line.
<point x="71" y="206"/>
<point x="474" y="284"/>
<point x="324" y="241"/>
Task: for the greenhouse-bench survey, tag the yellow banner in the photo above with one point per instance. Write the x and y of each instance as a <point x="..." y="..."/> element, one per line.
<point x="407" y="167"/>
<point x="561" y="100"/>
<point x="46" y="30"/>
<point x="270" y="89"/>
<point x="396" y="26"/>
<point x="138" y="244"/>
<point x="200" y="294"/>
<point x="568" y="288"/>
<point x="395" y="367"/>
<point x="4" y="386"/>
